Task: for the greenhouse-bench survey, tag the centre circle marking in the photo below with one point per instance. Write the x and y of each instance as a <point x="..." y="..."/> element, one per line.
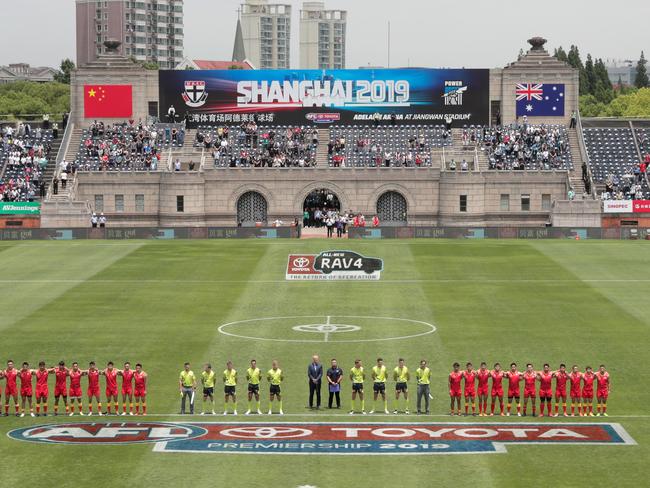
<point x="326" y="325"/>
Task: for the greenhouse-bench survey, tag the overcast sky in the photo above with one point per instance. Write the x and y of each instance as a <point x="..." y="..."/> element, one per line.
<point x="472" y="33"/>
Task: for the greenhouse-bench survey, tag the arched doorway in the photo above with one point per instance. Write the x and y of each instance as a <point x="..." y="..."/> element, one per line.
<point x="318" y="203"/>
<point x="392" y="208"/>
<point x="251" y="209"/>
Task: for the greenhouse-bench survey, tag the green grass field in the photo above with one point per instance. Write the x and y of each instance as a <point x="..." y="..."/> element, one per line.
<point x="161" y="303"/>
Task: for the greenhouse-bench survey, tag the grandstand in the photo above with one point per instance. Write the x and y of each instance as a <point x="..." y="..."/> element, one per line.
<point x="216" y="169"/>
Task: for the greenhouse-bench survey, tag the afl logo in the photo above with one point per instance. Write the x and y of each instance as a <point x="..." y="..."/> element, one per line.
<point x="107" y="433"/>
<point x="261" y="432"/>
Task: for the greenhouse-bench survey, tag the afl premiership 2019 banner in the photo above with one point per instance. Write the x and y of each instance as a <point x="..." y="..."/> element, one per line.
<point x="410" y="96"/>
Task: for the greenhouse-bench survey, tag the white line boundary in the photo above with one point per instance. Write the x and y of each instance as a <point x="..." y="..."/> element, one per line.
<point x="222" y="327"/>
<point x="459" y="280"/>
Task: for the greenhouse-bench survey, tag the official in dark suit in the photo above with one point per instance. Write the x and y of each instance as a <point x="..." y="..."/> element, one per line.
<point x="315" y="374"/>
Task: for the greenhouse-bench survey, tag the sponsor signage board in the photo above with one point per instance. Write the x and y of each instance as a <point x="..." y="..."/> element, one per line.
<point x="361" y="96"/>
<point x="328" y="438"/>
<point x="20" y="208"/>
<point x="333" y="265"/>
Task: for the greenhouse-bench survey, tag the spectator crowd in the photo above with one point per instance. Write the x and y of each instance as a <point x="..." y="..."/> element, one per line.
<point x="24" y="154"/>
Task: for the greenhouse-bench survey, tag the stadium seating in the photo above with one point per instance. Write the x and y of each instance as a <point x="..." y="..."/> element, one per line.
<point x="615" y="162"/>
<point x="23" y="155"/>
<point x="391" y="146"/>
<point x="530" y="147"/>
<point x="126" y="146"/>
<point x="259" y="146"/>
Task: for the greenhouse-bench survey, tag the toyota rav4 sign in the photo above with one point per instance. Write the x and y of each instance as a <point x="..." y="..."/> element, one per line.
<point x="333" y="265"/>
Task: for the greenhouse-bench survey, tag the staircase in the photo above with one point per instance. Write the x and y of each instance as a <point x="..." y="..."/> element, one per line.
<point x="457" y="151"/>
<point x="575" y="174"/>
<point x="322" y="158"/>
<point x="48" y="173"/>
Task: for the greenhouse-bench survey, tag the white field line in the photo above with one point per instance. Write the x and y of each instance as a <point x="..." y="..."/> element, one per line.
<point x="460" y="280"/>
<point x="327" y="334"/>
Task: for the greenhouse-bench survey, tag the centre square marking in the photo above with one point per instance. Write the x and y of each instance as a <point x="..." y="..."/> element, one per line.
<point x="327" y="438"/>
<point x="327" y="325"/>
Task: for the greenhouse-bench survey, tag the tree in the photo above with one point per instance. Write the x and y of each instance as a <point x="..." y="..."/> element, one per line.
<point x="641" y="80"/>
<point x="574" y="60"/>
<point x="590" y="75"/>
<point x="63" y="75"/>
<point x="22" y="98"/>
<point x="561" y="55"/>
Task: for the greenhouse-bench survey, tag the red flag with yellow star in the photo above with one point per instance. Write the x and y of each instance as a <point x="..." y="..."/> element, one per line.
<point x="108" y="101"/>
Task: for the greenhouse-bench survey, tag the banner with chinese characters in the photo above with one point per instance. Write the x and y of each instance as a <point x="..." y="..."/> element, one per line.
<point x="364" y="96"/>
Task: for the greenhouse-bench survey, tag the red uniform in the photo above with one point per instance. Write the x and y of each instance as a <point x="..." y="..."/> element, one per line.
<point x="603" y="385"/>
<point x="497" y="383"/>
<point x="529" y="384"/>
<point x="560" y="384"/>
<point x="75" y="384"/>
<point x="545" y="381"/>
<point x="588" y="386"/>
<point x="42" y="391"/>
<point x="11" y="388"/>
<point x="483" y="377"/>
<point x="470" y="383"/>
<point x="140" y="384"/>
<point x="93" y="383"/>
<point x="454" y="384"/>
<point x="127" y="382"/>
<point x="513" y="384"/>
<point x="26" y="383"/>
<point x="111" y="382"/>
<point x="61" y="382"/>
<point x="575" y="379"/>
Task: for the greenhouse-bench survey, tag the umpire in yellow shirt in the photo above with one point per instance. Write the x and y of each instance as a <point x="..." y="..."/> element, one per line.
<point x="423" y="376"/>
<point x="187" y="385"/>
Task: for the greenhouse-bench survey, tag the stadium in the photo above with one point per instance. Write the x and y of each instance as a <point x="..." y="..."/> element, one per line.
<point x="243" y="274"/>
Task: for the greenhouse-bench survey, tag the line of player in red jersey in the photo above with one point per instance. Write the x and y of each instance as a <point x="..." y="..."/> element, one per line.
<point x="476" y="384"/>
<point x="134" y="385"/>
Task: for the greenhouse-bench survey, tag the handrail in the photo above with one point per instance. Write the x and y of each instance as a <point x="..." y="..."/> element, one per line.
<point x="636" y="142"/>
<point x="202" y="164"/>
<point x="170" y="163"/>
<point x="584" y="154"/>
<point x="60" y="156"/>
<point x="443" y="160"/>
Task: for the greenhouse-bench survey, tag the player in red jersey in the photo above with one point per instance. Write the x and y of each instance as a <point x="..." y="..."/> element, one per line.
<point x="470" y="388"/>
<point x="127" y="387"/>
<point x="60" y="386"/>
<point x="42" y="390"/>
<point x="561" y="378"/>
<point x="75" y="388"/>
<point x="588" y="392"/>
<point x="140" y="379"/>
<point x="110" y="373"/>
<point x="545" y="378"/>
<point x="514" y="377"/>
<point x="575" y="378"/>
<point x="11" y="387"/>
<point x="530" y="379"/>
<point x="602" y="381"/>
<point x="497" y="387"/>
<point x="26" y="392"/>
<point x="455" y="378"/>
<point x="93" y="388"/>
<point x="483" y="376"/>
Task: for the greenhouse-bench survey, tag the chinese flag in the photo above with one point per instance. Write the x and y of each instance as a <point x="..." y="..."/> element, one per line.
<point x="108" y="101"/>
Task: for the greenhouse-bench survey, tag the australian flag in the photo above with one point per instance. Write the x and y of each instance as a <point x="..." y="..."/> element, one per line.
<point x="540" y="100"/>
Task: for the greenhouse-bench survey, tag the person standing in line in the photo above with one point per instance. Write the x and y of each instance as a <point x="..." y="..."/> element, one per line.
<point x="253" y="376"/>
<point x="230" y="382"/>
<point x="207" y="381"/>
<point x="401" y="376"/>
<point x="315" y="375"/>
<point x="334" y="378"/>
<point x="379" y="377"/>
<point x="423" y="376"/>
<point x="275" y="377"/>
<point x="187" y="386"/>
<point x="102" y="220"/>
<point x="358" y="376"/>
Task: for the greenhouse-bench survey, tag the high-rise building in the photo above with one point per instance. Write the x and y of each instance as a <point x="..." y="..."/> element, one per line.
<point x="149" y="30"/>
<point x="266" y="29"/>
<point x="322" y="37"/>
